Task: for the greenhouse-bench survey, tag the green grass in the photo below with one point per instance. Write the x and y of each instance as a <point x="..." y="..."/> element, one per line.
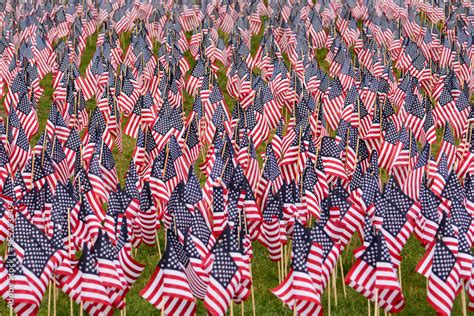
<point x="265" y="272"/>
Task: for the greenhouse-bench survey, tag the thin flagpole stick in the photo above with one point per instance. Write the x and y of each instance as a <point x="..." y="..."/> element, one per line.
<point x="329" y="295"/>
<point x="343" y="277"/>
<point x="334" y="286"/>
<point x="376" y="306"/>
<point x="69" y="251"/>
<point x="32" y="171"/>
<point x="369" y="313"/>
<point x="49" y="299"/>
<point x="54" y="299"/>
<point x="400" y="275"/>
<point x="463" y="299"/>
<point x="252" y="291"/>
<point x="166" y="159"/>
<point x="279" y="272"/>
<point x="347" y="247"/>
<point x="158" y="243"/>
<point x="281" y="260"/>
<point x="288" y="257"/>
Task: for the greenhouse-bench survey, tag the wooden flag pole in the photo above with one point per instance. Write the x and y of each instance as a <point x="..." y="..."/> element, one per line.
<point x="54" y="299"/>
<point x="369" y="313"/>
<point x="463" y="299"/>
<point x="283" y="265"/>
<point x="49" y="299"/>
<point x="329" y="295"/>
<point x="400" y="274"/>
<point x="287" y="258"/>
<point x="282" y="254"/>
<point x="158" y="243"/>
<point x="69" y="251"/>
<point x="343" y="277"/>
<point x="252" y="292"/>
<point x="279" y="271"/>
<point x="334" y="285"/>
<point x="376" y="305"/>
<point x="32" y="170"/>
<point x="166" y="159"/>
<point x="350" y="240"/>
<point x="43" y="150"/>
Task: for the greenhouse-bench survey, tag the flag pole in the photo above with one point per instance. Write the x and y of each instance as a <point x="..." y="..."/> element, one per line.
<point x="158" y="242"/>
<point x="279" y="269"/>
<point x="287" y="257"/>
<point x="166" y="159"/>
<point x="343" y="277"/>
<point x="283" y="247"/>
<point x="43" y="150"/>
<point x="49" y="299"/>
<point x="463" y="299"/>
<point x="69" y="252"/>
<point x="334" y="283"/>
<point x="376" y="306"/>
<point x="329" y="295"/>
<point x="55" y="294"/>
<point x="400" y="275"/>
<point x="32" y="170"/>
<point x="252" y="292"/>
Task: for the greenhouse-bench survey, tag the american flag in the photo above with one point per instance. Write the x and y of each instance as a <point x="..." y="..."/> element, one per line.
<point x="271" y="177"/>
<point x="300" y="290"/>
<point x="25" y="301"/>
<point x="330" y="156"/>
<point x="390" y="148"/>
<point x="224" y="277"/>
<point x="374" y="276"/>
<point x="441" y="266"/>
<point x="333" y="102"/>
<point x="448" y="147"/>
<point x="86" y="280"/>
<point x="168" y="289"/>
